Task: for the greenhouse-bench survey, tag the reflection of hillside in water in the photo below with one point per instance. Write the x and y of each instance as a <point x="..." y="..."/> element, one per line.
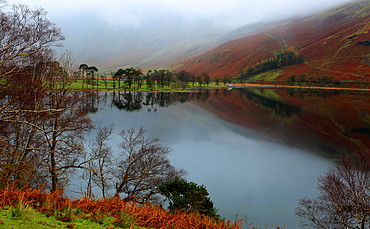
<point x="276" y="108"/>
<point x="326" y="122"/>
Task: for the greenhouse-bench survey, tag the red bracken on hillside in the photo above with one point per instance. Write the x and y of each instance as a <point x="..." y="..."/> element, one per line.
<point x="334" y="43"/>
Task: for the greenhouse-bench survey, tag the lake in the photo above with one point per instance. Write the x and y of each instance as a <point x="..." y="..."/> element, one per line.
<point x="257" y="151"/>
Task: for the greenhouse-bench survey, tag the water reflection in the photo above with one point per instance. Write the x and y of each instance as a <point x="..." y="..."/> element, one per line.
<point x="256" y="150"/>
<point x="274" y="107"/>
<point x="131" y="101"/>
<point x="326" y="122"/>
<point x="134" y="101"/>
<point x="128" y="101"/>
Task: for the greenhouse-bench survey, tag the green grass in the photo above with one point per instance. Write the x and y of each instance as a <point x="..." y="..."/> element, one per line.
<point x="23" y="216"/>
<point x="270" y="94"/>
<point x="77" y="84"/>
<point x="266" y="76"/>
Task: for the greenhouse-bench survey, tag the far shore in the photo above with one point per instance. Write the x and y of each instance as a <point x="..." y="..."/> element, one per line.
<point x="298" y="87"/>
<point x="237" y="85"/>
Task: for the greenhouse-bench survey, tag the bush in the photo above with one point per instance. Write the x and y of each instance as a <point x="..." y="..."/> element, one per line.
<point x="187" y="196"/>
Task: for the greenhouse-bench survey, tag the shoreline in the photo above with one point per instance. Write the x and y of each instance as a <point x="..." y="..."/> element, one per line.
<point x="244" y="85"/>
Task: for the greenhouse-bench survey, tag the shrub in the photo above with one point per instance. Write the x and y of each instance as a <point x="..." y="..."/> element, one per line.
<point x="187" y="196"/>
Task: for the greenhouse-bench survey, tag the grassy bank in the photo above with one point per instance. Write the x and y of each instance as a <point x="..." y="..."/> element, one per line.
<point x="28" y="217"/>
<point x="36" y="209"/>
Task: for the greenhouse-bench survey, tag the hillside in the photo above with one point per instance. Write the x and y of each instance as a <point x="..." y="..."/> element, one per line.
<point x="150" y="46"/>
<point x="334" y="43"/>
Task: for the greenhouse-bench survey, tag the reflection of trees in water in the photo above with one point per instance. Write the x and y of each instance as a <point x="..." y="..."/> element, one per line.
<point x="104" y="98"/>
<point x="287" y="111"/>
<point x="131" y="101"/>
<point x="282" y="110"/>
<point x="308" y="94"/>
<point x="90" y="101"/>
<point x="217" y="92"/>
<point x="205" y="96"/>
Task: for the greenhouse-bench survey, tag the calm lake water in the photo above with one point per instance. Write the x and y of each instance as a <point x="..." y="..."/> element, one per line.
<point x="258" y="151"/>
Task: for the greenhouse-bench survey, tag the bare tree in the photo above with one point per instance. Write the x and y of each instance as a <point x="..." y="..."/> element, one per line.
<point x="345" y="196"/>
<point x="25" y="32"/>
<point x="42" y="120"/>
<point x="19" y="131"/>
<point x="143" y="165"/>
<point x="25" y="38"/>
<point x="65" y="127"/>
<point x="20" y="116"/>
<point x="100" y="166"/>
<point x="43" y="125"/>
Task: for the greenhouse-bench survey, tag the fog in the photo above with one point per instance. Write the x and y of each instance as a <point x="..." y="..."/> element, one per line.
<point x="223" y="14"/>
<point x="96" y="30"/>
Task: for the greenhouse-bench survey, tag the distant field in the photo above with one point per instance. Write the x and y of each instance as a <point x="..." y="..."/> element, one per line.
<point x="111" y="85"/>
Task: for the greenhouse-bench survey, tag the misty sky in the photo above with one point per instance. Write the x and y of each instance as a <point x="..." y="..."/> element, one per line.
<point x="122" y="29"/>
<point x="221" y="13"/>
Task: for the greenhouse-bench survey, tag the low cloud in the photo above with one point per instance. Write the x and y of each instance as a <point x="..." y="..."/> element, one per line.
<point x="226" y="14"/>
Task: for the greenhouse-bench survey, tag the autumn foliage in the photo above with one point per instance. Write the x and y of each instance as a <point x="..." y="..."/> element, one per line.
<point x="333" y="43"/>
<point x="285" y="57"/>
<point x="344" y="196"/>
<point x="145" y="215"/>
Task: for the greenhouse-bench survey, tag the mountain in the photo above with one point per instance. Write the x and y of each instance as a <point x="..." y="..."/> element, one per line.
<point x="334" y="43"/>
<point x="95" y="42"/>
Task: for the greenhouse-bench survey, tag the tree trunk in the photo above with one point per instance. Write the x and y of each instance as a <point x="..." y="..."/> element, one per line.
<point x="53" y="173"/>
<point x="53" y="169"/>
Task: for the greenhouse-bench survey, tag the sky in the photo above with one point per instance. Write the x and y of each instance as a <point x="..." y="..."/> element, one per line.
<point x="222" y="14"/>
